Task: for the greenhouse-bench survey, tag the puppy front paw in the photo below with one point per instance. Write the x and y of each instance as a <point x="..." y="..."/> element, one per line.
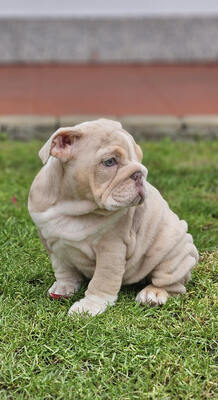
<point x="93" y="305"/>
<point x="64" y="289"/>
<point x="152" y="296"/>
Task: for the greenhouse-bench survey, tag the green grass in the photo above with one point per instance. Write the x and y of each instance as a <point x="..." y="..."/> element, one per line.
<point x="130" y="352"/>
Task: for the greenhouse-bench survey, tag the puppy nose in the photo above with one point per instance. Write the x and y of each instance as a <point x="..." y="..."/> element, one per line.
<point x="137" y="176"/>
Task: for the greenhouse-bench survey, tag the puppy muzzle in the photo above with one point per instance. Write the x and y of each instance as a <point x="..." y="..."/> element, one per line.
<point x="123" y="193"/>
<point x="138" y="178"/>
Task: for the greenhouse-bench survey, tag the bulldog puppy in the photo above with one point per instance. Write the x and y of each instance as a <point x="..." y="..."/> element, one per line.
<point x="99" y="218"/>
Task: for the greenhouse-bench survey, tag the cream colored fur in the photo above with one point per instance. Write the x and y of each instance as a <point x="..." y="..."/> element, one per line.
<point x="106" y="223"/>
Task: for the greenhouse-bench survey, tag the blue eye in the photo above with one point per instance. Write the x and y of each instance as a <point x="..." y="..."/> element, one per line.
<point x="110" y="162"/>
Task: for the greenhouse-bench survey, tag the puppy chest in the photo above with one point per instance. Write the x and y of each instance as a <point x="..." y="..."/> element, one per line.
<point x="78" y="255"/>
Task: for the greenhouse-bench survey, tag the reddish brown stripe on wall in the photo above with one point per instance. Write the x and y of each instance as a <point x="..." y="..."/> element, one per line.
<point x="109" y="89"/>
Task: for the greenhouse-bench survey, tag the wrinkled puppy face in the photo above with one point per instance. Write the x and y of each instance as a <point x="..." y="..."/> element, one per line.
<point x="119" y="177"/>
<point x="101" y="163"/>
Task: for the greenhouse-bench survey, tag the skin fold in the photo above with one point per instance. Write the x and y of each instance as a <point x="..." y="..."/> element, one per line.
<point x="98" y="217"/>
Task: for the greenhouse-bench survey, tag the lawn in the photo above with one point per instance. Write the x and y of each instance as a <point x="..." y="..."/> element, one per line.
<point x="130" y="352"/>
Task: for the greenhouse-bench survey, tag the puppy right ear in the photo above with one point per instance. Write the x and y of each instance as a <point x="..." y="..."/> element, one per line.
<point x="139" y="153"/>
<point x="62" y="145"/>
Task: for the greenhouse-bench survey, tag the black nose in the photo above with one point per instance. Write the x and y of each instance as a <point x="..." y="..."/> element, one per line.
<point x="137" y="176"/>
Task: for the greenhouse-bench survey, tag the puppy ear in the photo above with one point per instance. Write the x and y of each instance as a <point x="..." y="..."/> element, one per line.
<point x="62" y="145"/>
<point x="138" y="151"/>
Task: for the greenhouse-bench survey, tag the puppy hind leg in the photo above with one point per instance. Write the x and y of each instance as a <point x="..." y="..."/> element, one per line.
<point x="68" y="279"/>
<point x="166" y="285"/>
<point x="152" y="296"/>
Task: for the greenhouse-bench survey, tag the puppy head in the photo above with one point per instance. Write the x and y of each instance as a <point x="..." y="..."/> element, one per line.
<point x="101" y="162"/>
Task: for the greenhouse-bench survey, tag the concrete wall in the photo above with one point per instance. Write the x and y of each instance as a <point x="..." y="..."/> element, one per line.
<point x="116" y="8"/>
<point x="115" y="31"/>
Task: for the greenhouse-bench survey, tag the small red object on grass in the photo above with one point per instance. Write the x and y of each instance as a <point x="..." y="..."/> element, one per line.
<point x="57" y="296"/>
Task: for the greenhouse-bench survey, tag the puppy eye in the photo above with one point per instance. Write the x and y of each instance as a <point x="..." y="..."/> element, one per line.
<point x="110" y="162"/>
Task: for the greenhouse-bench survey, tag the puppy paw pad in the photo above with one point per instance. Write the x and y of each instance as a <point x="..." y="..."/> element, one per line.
<point x="87" y="305"/>
<point x="152" y="296"/>
<point x="63" y="289"/>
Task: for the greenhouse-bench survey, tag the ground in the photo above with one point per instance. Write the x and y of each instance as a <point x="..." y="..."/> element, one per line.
<point x="130" y="352"/>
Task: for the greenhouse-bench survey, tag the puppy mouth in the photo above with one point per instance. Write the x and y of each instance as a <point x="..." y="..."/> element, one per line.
<point x="139" y="199"/>
<point x="141" y="192"/>
<point x="129" y="193"/>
